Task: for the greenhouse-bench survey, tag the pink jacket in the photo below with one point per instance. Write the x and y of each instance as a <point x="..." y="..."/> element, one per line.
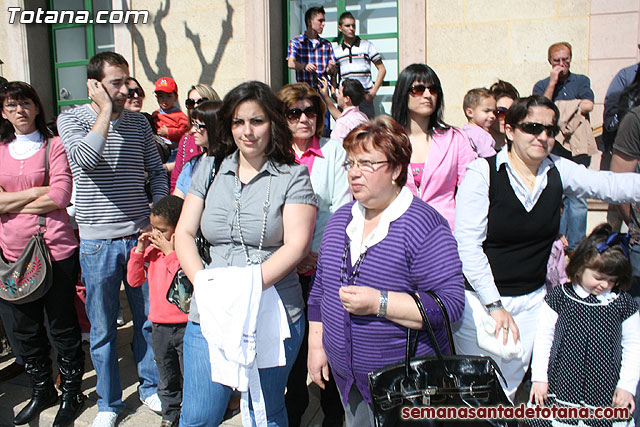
<point x="159" y="270"/>
<point x="444" y="169"/>
<point x="18" y="175"/>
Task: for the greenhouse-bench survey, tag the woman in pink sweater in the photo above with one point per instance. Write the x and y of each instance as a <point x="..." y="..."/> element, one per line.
<point x="441" y="152"/>
<point x="24" y="138"/>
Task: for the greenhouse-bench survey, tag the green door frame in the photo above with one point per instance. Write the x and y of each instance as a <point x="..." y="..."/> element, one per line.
<point x="91" y="49"/>
<point x="342" y="7"/>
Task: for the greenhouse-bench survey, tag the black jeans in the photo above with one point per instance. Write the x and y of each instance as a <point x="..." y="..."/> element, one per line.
<point x="297" y="397"/>
<point x="29" y="318"/>
<point x="6" y="314"/>
<point x="166" y="339"/>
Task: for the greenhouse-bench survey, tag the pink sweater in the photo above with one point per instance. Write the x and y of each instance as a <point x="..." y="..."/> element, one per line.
<point x="444" y="169"/>
<point x="160" y="270"/>
<point x="18" y="175"/>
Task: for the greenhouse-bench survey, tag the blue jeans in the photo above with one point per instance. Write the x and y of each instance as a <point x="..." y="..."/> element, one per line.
<point x="104" y="267"/>
<point x="573" y="223"/>
<point x="204" y="402"/>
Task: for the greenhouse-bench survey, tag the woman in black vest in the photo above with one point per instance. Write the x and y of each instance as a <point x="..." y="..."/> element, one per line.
<point x="511" y="218"/>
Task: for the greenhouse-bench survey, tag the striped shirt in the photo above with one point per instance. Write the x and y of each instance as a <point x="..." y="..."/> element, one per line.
<point x="418" y="254"/>
<point x="109" y="175"/>
<point x="355" y="61"/>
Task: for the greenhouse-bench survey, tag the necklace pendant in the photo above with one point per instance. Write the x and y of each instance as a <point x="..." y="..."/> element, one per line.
<point x="255" y="259"/>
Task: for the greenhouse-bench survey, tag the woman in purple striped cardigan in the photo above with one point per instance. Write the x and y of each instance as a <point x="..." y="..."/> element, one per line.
<point x="374" y="252"/>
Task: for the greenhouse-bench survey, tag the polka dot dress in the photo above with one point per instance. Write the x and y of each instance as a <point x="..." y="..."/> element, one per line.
<point x="585" y="359"/>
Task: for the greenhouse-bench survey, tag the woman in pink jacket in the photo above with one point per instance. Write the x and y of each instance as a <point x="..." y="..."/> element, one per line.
<point x="441" y="152"/>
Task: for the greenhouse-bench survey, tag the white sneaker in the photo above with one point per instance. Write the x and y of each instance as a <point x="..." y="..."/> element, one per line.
<point x="153" y="402"/>
<point x="105" y="419"/>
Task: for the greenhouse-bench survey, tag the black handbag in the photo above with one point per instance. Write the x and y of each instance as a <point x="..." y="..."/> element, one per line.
<point x="29" y="278"/>
<point x="433" y="382"/>
<point x="181" y="289"/>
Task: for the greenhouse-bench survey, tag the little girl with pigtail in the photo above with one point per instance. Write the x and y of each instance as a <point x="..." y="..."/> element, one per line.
<point x="587" y="347"/>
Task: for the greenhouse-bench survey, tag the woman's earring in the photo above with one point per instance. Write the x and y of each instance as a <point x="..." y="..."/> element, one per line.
<point x="393" y="181"/>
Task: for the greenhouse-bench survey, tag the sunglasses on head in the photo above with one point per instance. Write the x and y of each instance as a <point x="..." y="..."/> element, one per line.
<point x="534" y="128"/>
<point x="199" y="126"/>
<point x="191" y="103"/>
<point x="418" y="90"/>
<point x="296" y="113"/>
<point x="135" y="92"/>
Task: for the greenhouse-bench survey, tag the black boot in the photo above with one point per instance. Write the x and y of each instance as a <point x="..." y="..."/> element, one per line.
<point x="72" y="398"/>
<point x="43" y="395"/>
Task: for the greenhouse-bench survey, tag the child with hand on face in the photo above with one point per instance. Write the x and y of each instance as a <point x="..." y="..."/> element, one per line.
<point x="154" y="260"/>
<point x="587" y="347"/>
<point x="479" y="106"/>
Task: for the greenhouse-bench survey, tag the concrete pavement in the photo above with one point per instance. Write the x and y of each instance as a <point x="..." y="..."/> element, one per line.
<point x="15" y="393"/>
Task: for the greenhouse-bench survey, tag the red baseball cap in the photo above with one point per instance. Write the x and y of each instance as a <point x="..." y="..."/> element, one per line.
<point x="166" y="84"/>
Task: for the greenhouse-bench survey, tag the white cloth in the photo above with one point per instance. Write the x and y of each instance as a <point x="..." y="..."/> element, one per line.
<point x="487" y="339"/>
<point x="473" y="194"/>
<point x="25" y="146"/>
<point x="524" y="310"/>
<point x="630" y="366"/>
<point x="355" y="228"/>
<point x="245" y="329"/>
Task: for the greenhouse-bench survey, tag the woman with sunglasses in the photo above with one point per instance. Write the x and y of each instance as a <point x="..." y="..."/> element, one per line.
<point x="440" y="152"/>
<point x="304" y="111"/>
<point x="187" y="147"/>
<point x="504" y="93"/>
<point x="509" y="222"/>
<point x="25" y="195"/>
<point x="203" y="129"/>
<point x="372" y="257"/>
<point x="135" y="99"/>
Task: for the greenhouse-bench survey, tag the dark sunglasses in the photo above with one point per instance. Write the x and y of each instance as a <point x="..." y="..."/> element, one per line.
<point x="534" y="128"/>
<point x="418" y="90"/>
<point x="199" y="126"/>
<point x="136" y="92"/>
<point x="296" y="113"/>
<point x="191" y="103"/>
<point x="501" y="111"/>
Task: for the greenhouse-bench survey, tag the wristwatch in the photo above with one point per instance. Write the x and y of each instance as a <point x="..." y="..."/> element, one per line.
<point x="496" y="305"/>
<point x="384" y="300"/>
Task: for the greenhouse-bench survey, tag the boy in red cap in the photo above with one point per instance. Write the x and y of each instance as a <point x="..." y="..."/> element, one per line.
<point x="169" y="120"/>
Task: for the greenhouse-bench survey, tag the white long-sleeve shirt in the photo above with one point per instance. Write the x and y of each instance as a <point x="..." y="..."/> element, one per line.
<point x="473" y="196"/>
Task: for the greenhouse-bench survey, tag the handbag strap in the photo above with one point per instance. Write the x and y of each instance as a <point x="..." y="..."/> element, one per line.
<point x="447" y="322"/>
<point x="432" y="336"/>
<point x="42" y="221"/>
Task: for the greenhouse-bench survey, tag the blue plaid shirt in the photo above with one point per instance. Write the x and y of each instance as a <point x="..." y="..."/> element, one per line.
<point x="301" y="48"/>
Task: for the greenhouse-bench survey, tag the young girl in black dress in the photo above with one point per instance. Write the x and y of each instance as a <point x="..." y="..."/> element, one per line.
<point x="587" y="347"/>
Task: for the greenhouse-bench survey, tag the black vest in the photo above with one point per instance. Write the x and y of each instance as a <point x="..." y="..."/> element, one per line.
<point x="518" y="242"/>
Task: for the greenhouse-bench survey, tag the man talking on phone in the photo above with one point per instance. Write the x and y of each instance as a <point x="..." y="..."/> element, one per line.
<point x="109" y="150"/>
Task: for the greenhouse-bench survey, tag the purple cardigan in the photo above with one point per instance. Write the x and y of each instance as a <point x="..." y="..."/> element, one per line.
<point x="418" y="254"/>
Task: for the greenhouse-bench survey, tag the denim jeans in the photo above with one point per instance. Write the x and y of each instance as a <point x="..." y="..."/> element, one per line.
<point x="573" y="223"/>
<point x="104" y="264"/>
<point x="204" y="402"/>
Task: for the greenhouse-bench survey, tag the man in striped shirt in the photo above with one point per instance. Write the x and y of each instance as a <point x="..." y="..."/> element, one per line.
<point x="109" y="150"/>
